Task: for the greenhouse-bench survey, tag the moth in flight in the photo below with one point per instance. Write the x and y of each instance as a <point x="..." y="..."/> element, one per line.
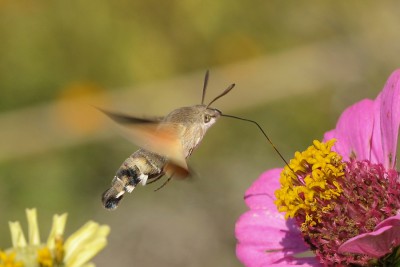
<point x="165" y="144"/>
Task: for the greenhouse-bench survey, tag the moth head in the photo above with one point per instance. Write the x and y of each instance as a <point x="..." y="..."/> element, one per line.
<point x="210" y="116"/>
<point x="192" y="123"/>
<point x="199" y="115"/>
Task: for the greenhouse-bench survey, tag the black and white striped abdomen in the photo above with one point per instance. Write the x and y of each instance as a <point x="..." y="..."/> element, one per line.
<point x="140" y="167"/>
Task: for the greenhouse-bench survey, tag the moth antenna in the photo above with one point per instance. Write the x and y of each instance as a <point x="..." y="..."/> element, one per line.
<point x="266" y="136"/>
<point x="205" y="86"/>
<point x="227" y="90"/>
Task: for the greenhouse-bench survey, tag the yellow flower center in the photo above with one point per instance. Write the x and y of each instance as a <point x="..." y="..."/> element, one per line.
<point x="59" y="250"/>
<point x="309" y="182"/>
<point x="49" y="258"/>
<point x="44" y="257"/>
<point x="8" y="260"/>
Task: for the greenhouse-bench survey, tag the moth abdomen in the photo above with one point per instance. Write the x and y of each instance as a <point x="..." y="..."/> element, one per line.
<point x="111" y="198"/>
<point x="138" y="168"/>
<point x="125" y="180"/>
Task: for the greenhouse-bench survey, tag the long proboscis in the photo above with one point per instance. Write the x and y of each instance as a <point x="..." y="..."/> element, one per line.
<point x="263" y="132"/>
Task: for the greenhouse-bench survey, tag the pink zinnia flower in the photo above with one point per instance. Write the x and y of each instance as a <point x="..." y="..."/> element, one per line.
<point x="338" y="202"/>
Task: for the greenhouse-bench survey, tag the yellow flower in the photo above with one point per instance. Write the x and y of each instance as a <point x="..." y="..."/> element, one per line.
<point x="309" y="182"/>
<point x="8" y="260"/>
<point x="77" y="251"/>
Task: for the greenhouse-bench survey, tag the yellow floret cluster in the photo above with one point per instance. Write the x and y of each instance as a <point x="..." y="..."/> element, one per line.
<point x="309" y="182"/>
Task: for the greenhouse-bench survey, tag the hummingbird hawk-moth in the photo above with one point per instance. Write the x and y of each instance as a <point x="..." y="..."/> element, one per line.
<point x="165" y="144"/>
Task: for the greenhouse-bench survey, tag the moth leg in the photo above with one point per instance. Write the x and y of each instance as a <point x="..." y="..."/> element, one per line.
<point x="169" y="170"/>
<point x="166" y="182"/>
<point x="155" y="179"/>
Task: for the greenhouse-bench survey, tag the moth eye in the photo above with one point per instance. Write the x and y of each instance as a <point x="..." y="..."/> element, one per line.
<point x="207" y="118"/>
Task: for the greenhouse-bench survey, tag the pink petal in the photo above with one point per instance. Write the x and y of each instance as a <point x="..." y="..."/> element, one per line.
<point x="378" y="243"/>
<point x="265" y="239"/>
<point x="377" y="155"/>
<point x="261" y="195"/>
<point x="375" y="244"/>
<point x="369" y="129"/>
<point x="390" y="118"/>
<point x="391" y="221"/>
<point x="354" y="131"/>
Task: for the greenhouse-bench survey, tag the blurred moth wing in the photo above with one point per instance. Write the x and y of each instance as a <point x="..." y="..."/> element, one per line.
<point x="156" y="136"/>
<point x="164" y="143"/>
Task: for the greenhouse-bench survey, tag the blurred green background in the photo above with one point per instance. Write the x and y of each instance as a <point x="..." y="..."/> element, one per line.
<point x="297" y="65"/>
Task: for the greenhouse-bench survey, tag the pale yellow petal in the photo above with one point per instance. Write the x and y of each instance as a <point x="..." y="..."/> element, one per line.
<point x="34" y="236"/>
<point x="57" y="229"/>
<point x="17" y="236"/>
<point x="86" y="253"/>
<point x="103" y="231"/>
<point x="81" y="246"/>
<point x="75" y="241"/>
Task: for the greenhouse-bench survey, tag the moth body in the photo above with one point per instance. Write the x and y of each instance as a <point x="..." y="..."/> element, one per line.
<point x="163" y="152"/>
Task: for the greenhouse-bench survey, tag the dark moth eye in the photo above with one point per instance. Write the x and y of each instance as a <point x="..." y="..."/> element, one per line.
<point x="207" y="118"/>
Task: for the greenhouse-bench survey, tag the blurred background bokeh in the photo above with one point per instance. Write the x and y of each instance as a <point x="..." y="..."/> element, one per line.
<point x="297" y="65"/>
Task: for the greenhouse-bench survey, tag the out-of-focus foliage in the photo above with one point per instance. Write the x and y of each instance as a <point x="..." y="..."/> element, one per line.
<point x="47" y="44"/>
<point x="53" y="52"/>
